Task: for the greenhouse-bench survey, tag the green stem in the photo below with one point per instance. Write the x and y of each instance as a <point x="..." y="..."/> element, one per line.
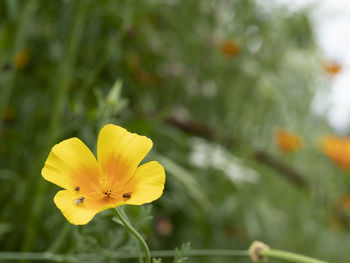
<point x="202" y="253"/>
<point x="37" y="256"/>
<point x="288" y="256"/>
<point x="133" y="231"/>
<point x="272" y="253"/>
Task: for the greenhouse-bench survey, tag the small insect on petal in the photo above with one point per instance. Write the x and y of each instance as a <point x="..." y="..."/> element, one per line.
<point x="77" y="188"/>
<point x="80" y="200"/>
<point x="126" y="196"/>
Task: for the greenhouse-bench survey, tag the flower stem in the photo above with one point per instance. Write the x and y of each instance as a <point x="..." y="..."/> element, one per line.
<point x="134" y="232"/>
<point x="288" y="256"/>
<point x="46" y="256"/>
<point x="202" y="253"/>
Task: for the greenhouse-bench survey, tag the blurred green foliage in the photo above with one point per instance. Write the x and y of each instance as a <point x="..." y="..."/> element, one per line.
<point x="156" y="68"/>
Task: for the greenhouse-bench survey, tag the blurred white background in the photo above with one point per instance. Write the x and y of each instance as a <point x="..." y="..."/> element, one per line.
<point x="331" y="19"/>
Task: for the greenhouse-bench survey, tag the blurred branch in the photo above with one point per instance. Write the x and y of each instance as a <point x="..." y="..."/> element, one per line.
<point x="192" y="127"/>
<point x="283" y="169"/>
<point x="263" y="157"/>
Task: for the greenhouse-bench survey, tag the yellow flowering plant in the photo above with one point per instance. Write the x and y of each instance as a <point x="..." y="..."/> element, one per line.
<point x="114" y="179"/>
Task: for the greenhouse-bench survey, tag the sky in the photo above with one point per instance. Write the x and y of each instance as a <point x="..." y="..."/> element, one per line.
<point x="331" y="20"/>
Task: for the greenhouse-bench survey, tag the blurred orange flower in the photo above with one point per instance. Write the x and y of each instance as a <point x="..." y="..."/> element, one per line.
<point x="340" y="218"/>
<point x="143" y="77"/>
<point x="139" y="73"/>
<point x="8" y="115"/>
<point x="288" y="142"/>
<point x="230" y="48"/>
<point x="21" y="59"/>
<point x="336" y="225"/>
<point x="332" y="67"/>
<point x="338" y="150"/>
<point x="344" y="202"/>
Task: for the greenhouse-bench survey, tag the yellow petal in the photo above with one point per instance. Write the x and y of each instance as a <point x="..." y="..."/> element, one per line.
<point x="119" y="152"/>
<point x="78" y="213"/>
<point x="70" y="164"/>
<point x="147" y="184"/>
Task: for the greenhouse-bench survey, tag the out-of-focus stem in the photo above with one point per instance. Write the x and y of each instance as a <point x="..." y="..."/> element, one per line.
<point x="60" y="95"/>
<point x="20" y="41"/>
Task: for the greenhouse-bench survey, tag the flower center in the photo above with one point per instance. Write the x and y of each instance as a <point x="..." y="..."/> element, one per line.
<point x="108" y="193"/>
<point x="104" y="188"/>
<point x="108" y="188"/>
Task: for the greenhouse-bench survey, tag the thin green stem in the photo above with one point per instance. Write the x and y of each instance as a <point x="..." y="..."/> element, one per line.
<point x="271" y="253"/>
<point x="288" y="256"/>
<point x="134" y="232"/>
<point x="36" y="256"/>
<point x="203" y="253"/>
<point x="117" y="255"/>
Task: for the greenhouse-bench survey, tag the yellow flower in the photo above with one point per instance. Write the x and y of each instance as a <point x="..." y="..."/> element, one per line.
<point x="116" y="179"/>
<point x="288" y="142"/>
<point x="338" y="150"/>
